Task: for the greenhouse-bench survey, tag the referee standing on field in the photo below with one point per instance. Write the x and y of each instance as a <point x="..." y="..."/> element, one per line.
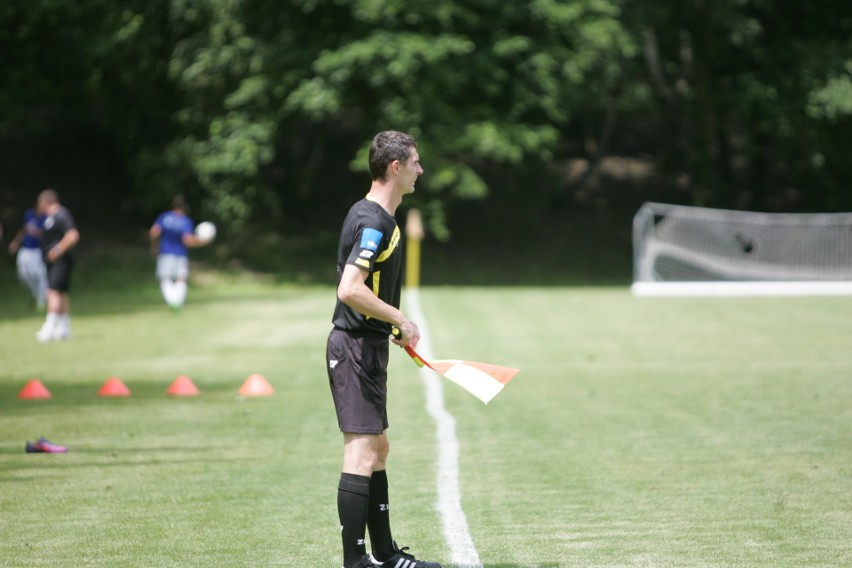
<point x="369" y="270"/>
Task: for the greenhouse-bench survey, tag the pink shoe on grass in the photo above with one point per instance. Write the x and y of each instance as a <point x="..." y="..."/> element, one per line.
<point x="45" y="447"/>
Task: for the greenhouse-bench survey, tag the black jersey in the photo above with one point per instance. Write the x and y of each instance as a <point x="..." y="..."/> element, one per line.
<point x="369" y="239"/>
<point x="55" y="227"/>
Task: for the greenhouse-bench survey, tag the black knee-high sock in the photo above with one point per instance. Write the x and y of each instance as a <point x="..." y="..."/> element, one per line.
<point x="353" y="499"/>
<point x="378" y="518"/>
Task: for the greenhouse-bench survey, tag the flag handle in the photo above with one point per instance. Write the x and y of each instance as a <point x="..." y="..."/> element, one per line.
<point x="418" y="360"/>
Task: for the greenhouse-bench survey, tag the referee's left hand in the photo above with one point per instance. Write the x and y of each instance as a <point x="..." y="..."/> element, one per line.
<point x="406" y="333"/>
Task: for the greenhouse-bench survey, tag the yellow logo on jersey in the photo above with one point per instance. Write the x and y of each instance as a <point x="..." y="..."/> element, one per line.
<point x="394" y="242"/>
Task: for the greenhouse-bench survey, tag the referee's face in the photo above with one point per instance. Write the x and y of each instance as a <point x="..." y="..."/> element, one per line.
<point x="409" y="171"/>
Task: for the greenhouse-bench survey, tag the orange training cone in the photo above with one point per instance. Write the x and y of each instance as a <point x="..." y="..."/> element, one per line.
<point x="256" y="385"/>
<point x="114" y="387"/>
<point x="34" y="390"/>
<point x="182" y="386"/>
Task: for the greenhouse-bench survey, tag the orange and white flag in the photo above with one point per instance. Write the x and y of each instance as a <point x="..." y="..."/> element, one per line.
<point x="482" y="380"/>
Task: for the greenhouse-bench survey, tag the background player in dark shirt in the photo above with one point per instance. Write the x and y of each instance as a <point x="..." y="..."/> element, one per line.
<point x="369" y="266"/>
<point x="59" y="238"/>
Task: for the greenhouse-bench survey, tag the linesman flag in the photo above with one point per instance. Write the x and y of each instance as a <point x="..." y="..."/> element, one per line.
<point x="482" y="380"/>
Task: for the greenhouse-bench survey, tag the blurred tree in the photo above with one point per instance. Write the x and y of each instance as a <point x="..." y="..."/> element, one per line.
<point x="231" y="87"/>
<point x="46" y="51"/>
<point x="747" y="93"/>
<point x="244" y="105"/>
<point x="480" y="83"/>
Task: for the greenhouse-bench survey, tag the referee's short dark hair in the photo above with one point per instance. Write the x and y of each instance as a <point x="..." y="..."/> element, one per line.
<point x="387" y="147"/>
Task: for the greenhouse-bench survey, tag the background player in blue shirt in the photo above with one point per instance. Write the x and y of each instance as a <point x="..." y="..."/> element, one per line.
<point x="30" y="259"/>
<point x="171" y="235"/>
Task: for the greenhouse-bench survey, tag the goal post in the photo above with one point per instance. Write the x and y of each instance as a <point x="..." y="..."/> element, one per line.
<point x="697" y="251"/>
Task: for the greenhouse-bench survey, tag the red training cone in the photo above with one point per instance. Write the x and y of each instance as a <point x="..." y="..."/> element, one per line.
<point x="256" y="385"/>
<point x="182" y="386"/>
<point x="114" y="387"/>
<point x="34" y="390"/>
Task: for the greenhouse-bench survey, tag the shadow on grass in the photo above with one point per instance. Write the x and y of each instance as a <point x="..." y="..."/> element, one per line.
<point x="109" y="458"/>
<point x="132" y="293"/>
<point x="115" y="274"/>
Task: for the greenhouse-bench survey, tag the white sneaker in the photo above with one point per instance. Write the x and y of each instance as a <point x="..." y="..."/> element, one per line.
<point x="62" y="332"/>
<point x="49" y="333"/>
<point x="45" y="335"/>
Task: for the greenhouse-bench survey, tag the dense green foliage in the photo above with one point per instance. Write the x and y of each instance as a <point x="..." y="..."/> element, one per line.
<point x="257" y="107"/>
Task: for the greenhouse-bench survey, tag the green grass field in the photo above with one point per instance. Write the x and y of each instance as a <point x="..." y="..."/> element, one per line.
<point x="640" y="432"/>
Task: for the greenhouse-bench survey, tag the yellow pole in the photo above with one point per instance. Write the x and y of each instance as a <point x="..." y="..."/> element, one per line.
<point x="414" y="234"/>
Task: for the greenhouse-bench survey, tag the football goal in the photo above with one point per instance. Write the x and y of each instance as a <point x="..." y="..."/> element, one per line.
<point x="695" y="251"/>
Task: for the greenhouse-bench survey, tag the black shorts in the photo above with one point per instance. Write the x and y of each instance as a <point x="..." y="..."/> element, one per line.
<point x="59" y="275"/>
<point x="358" y="376"/>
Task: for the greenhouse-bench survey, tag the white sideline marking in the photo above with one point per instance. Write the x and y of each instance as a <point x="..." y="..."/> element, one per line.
<point x="456" y="532"/>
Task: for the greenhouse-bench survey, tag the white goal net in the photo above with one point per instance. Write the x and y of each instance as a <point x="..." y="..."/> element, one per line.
<point x="695" y="251"/>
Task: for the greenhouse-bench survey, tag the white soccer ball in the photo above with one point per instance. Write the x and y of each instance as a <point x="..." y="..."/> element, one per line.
<point x="206" y="231"/>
